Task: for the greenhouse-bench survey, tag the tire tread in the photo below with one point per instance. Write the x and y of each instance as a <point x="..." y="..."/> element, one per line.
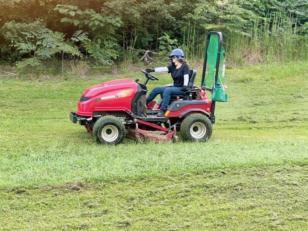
<point x="189" y="120"/>
<point x="109" y="119"/>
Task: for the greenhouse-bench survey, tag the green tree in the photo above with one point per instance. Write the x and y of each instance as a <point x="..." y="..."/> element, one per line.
<point x="102" y="45"/>
<point x="35" y="43"/>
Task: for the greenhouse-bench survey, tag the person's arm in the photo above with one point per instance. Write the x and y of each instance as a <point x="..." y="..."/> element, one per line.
<point x="161" y="69"/>
<point x="186" y="76"/>
<point x="157" y="69"/>
<point x="167" y="69"/>
<point x="186" y="80"/>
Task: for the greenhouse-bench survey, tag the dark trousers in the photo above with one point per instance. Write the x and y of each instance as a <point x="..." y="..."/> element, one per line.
<point x="165" y="93"/>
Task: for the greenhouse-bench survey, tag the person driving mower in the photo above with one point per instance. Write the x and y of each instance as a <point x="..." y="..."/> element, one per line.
<point x="179" y="71"/>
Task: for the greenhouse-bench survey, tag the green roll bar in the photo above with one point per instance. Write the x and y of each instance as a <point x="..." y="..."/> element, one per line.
<point x="213" y="70"/>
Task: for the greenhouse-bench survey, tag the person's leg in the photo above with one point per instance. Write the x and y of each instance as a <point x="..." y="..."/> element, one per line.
<point x="156" y="91"/>
<point x="168" y="92"/>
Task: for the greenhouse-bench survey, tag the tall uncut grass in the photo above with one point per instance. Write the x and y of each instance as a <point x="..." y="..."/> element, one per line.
<point x="272" y="39"/>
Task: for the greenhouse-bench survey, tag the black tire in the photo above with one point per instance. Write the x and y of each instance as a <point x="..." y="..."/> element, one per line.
<point x="196" y="127"/>
<point x="109" y="130"/>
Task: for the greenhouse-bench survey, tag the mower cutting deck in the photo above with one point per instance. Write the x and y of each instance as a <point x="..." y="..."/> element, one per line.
<point x="115" y="109"/>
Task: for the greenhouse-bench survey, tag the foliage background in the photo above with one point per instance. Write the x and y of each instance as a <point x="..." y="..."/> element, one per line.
<point x="102" y="32"/>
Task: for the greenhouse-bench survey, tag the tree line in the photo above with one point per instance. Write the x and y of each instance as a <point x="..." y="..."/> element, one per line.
<point x="103" y="32"/>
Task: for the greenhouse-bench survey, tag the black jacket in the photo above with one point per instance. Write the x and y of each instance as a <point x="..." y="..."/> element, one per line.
<point x="178" y="74"/>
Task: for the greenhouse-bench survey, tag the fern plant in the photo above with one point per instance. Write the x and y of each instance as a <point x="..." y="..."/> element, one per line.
<point x="35" y="43"/>
<point x="102" y="48"/>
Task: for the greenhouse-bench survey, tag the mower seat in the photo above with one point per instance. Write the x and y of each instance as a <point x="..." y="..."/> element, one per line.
<point x="192" y="77"/>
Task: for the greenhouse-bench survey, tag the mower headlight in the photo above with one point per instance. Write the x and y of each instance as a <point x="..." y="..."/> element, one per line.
<point x="83" y="98"/>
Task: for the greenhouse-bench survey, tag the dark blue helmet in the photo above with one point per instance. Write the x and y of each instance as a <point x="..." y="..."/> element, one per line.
<point x="177" y="53"/>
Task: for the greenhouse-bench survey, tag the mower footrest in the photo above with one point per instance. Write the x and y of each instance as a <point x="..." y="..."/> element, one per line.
<point x="153" y="118"/>
<point x="152" y="112"/>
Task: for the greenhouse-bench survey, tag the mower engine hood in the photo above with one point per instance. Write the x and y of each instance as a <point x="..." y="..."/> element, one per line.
<point x="109" y="86"/>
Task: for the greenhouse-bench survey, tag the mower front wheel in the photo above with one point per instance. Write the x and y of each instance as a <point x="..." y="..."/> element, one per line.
<point x="109" y="130"/>
<point x="196" y="127"/>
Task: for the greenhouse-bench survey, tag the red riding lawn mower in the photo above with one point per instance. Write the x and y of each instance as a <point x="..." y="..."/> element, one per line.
<point x="117" y="108"/>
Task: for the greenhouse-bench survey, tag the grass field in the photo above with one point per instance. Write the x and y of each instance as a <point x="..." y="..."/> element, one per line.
<point x="252" y="174"/>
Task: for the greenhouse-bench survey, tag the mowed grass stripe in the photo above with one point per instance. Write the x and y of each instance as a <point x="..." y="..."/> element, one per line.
<point x="271" y="198"/>
<point x="265" y="123"/>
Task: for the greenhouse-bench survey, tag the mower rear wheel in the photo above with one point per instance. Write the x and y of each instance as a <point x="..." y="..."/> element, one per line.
<point x="196" y="127"/>
<point x="109" y="130"/>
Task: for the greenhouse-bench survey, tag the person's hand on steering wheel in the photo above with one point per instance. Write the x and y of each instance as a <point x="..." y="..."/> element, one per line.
<point x="149" y="70"/>
<point x="149" y="76"/>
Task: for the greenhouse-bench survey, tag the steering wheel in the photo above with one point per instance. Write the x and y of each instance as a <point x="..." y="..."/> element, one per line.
<point x="149" y="76"/>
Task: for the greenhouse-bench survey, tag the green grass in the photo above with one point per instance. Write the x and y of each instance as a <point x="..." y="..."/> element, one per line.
<point x="255" y="199"/>
<point x="250" y="175"/>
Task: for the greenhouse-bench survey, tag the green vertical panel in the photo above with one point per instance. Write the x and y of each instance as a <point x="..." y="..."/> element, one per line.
<point x="212" y="53"/>
<point x="219" y="91"/>
<point x="221" y="71"/>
